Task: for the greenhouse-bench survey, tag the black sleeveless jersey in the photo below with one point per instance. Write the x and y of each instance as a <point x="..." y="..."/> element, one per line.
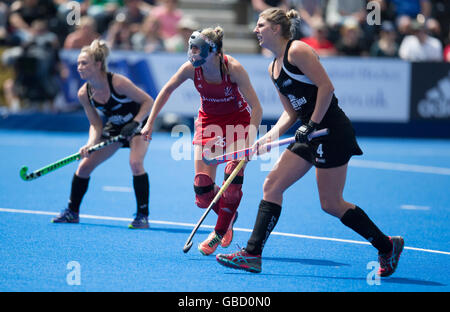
<point x="119" y="109"/>
<point x="302" y="94"/>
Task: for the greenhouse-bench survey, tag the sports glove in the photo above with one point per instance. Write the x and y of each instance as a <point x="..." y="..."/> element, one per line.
<point x="129" y="129"/>
<point x="301" y="135"/>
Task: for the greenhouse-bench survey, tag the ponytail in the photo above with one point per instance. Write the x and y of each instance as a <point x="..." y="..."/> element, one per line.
<point x="99" y="51"/>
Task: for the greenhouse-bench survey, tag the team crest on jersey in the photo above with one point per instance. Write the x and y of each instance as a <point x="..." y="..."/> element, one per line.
<point x="228" y="91"/>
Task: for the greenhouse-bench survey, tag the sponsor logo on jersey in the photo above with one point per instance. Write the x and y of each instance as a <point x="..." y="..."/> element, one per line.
<point x="296" y="102"/>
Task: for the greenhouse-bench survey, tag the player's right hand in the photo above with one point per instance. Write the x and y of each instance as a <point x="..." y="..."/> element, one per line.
<point x="259" y="145"/>
<point x="84" y="151"/>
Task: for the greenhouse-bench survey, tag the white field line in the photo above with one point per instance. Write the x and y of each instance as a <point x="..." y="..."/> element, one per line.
<point x="49" y="213"/>
<point x="398" y="167"/>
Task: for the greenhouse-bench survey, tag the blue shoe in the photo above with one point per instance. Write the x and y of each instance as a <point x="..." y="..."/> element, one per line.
<point x="67" y="216"/>
<point x="139" y="222"/>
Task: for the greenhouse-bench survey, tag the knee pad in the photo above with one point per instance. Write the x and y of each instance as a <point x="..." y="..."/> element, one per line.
<point x="204" y="189"/>
<point x="239" y="179"/>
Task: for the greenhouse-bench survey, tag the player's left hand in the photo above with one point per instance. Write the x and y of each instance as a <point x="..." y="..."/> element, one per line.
<point x="129" y="129"/>
<point x="301" y="135"/>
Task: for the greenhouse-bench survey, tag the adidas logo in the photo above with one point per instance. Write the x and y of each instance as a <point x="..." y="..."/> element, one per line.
<point x="436" y="103"/>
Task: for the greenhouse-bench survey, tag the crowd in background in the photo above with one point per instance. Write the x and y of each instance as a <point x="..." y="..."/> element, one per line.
<point x="32" y="32"/>
<point x="414" y="30"/>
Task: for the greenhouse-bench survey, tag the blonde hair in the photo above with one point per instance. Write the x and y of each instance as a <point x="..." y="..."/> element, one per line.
<point x="289" y="21"/>
<point x="99" y="51"/>
<point x="216" y="37"/>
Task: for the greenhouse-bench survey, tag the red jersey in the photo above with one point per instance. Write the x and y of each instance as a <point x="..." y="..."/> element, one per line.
<point x="218" y="99"/>
<point x="222" y="105"/>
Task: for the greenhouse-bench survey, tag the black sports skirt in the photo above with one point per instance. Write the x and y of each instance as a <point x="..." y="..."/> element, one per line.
<point x="329" y="151"/>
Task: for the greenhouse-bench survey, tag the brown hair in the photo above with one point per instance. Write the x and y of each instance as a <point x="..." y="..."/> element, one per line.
<point x="216" y="36"/>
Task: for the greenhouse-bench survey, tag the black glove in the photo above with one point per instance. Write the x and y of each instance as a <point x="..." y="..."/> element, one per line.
<point x="301" y="135"/>
<point x="129" y="129"/>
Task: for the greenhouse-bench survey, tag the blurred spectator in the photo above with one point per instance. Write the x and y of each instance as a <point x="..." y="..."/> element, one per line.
<point x="260" y="5"/>
<point x="66" y="17"/>
<point x="433" y="28"/>
<point x="386" y="10"/>
<point x="168" y="15"/>
<point x="403" y="27"/>
<point x="147" y="39"/>
<point x="440" y="11"/>
<point x="103" y="11"/>
<point x="64" y="6"/>
<point x="385" y="46"/>
<point x="135" y="12"/>
<point x="410" y="8"/>
<point x="24" y="12"/>
<point x="309" y="11"/>
<point x="180" y="42"/>
<point x="420" y="46"/>
<point x="83" y="35"/>
<point x="37" y="69"/>
<point x="350" y="42"/>
<point x="119" y="34"/>
<point x="4" y="11"/>
<point x="339" y="11"/>
<point x="447" y="50"/>
<point x="318" y="41"/>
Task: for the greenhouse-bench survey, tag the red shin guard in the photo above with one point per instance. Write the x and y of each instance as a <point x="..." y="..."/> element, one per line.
<point x="229" y="202"/>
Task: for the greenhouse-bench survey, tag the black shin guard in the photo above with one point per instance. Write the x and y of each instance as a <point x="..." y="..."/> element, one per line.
<point x="267" y="218"/>
<point x="142" y="191"/>
<point x="79" y="188"/>
<point x="358" y="221"/>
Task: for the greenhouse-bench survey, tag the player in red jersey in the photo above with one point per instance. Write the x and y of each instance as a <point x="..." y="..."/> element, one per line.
<point x="228" y="119"/>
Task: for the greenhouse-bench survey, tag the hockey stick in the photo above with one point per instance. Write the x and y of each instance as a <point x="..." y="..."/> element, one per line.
<point x="65" y="161"/>
<point x="249" y="152"/>
<point x="216" y="198"/>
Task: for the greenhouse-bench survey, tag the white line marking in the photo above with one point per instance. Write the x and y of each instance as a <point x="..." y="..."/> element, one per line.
<point x="414" y="207"/>
<point x="123" y="189"/>
<point x="49" y="213"/>
<point x="398" y="167"/>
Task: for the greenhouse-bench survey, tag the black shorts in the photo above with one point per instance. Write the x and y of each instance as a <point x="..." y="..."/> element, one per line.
<point x="329" y="151"/>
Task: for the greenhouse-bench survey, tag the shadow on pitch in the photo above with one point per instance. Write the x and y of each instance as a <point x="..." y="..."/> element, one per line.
<point x="319" y="262"/>
<point x="152" y="228"/>
<point x="388" y="280"/>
